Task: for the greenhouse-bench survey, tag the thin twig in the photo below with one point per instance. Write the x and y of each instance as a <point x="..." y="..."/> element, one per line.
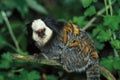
<point x="105" y="2"/>
<point x="10" y="30"/>
<point x="111" y="9"/>
<point x="115" y="51"/>
<point x="114" y="36"/>
<point x="29" y="58"/>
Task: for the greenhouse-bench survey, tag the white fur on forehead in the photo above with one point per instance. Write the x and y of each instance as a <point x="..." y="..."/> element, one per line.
<point x="38" y="24"/>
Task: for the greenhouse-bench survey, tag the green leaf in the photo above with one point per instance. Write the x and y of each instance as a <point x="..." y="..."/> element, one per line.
<point x="51" y="77"/>
<point x="107" y="62"/>
<point x="23" y="75"/>
<point x="5" y="61"/>
<point x="112" y="22"/>
<point x="111" y="63"/>
<point x="4" y="64"/>
<point x="90" y="11"/>
<point x="96" y="31"/>
<point x="116" y="63"/>
<point x="99" y="45"/>
<point x="37" y="7"/>
<point x="79" y="20"/>
<point x="1" y="77"/>
<point x="86" y="3"/>
<point x="115" y="44"/>
<point x="33" y="75"/>
<point x="104" y="36"/>
<point x="7" y="56"/>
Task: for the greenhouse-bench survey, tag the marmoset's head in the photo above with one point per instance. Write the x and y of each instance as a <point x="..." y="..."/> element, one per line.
<point x="42" y="30"/>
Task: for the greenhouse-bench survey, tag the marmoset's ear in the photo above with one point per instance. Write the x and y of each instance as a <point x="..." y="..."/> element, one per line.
<point x="29" y="29"/>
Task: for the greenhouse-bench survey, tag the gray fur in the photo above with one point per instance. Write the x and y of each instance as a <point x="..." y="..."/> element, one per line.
<point x="72" y="59"/>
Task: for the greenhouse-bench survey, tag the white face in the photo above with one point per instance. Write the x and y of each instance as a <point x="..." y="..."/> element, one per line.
<point x="37" y="26"/>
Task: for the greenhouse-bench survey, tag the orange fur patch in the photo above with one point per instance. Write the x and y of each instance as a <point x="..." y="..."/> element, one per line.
<point x="86" y="50"/>
<point x="66" y="29"/>
<point x="74" y="44"/>
<point x="76" y="30"/>
<point x="64" y="36"/>
<point x="94" y="54"/>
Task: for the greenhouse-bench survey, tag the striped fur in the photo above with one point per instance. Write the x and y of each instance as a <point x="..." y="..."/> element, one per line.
<point x="74" y="49"/>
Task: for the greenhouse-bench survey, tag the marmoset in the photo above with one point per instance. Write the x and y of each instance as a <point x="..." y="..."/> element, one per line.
<point x="66" y="43"/>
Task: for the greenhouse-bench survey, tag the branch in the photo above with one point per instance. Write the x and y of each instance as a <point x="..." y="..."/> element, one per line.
<point x="106" y="73"/>
<point x="29" y="58"/>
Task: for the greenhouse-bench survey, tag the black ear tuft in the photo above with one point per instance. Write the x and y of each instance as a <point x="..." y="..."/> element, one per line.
<point x="31" y="47"/>
<point x="29" y="29"/>
<point x="55" y="25"/>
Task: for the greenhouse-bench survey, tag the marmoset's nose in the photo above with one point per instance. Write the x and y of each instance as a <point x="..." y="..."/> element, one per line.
<point x="41" y="32"/>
